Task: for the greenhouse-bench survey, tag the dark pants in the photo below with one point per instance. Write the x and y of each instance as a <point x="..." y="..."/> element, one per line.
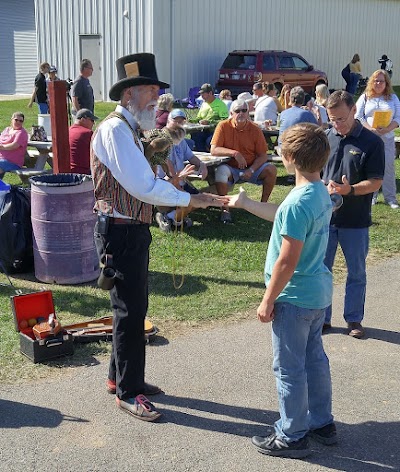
<point x="202" y="140"/>
<point x="129" y="246"/>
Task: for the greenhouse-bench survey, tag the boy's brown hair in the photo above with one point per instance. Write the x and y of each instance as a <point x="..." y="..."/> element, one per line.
<point x="307" y="145"/>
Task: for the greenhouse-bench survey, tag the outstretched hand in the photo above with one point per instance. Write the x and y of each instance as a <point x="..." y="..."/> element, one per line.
<point x="204" y="200"/>
<point x="238" y="200"/>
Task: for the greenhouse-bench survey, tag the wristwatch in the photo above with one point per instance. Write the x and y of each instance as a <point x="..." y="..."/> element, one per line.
<point x="351" y="190"/>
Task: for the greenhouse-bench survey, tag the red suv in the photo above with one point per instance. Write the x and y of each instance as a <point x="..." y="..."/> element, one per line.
<point x="242" y="68"/>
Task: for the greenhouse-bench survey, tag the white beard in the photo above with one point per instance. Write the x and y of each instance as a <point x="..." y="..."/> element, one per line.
<point x="145" y="118"/>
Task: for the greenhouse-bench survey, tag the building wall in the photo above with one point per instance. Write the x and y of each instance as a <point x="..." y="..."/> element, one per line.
<point x="191" y="38"/>
<point x="66" y="21"/>
<point x="18" y="58"/>
<point x="326" y="32"/>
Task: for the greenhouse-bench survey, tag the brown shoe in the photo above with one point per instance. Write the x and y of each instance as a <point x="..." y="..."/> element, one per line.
<point x="139" y="407"/>
<point x="356" y="330"/>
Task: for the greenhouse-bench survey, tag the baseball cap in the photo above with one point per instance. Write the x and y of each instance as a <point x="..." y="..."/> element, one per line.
<point x="85" y="113"/>
<point x="238" y="104"/>
<point x="53" y="69"/>
<point x="206" y="88"/>
<point x="177" y="113"/>
<point x="246" y="96"/>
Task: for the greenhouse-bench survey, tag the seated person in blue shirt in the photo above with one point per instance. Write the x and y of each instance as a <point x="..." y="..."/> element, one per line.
<point x="295" y="114"/>
<point x="179" y="155"/>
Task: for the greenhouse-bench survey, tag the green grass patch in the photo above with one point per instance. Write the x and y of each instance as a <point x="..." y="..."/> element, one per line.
<point x="222" y="266"/>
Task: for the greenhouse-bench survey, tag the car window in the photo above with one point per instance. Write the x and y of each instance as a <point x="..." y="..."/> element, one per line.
<point x="286" y="62"/>
<point x="299" y="63"/>
<point x="268" y="62"/>
<point x="239" y="62"/>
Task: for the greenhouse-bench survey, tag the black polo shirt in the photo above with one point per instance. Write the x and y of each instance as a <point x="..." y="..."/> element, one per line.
<point x="41" y="90"/>
<point x="359" y="156"/>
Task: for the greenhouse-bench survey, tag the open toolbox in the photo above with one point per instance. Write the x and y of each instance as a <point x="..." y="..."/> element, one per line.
<point x="28" y="310"/>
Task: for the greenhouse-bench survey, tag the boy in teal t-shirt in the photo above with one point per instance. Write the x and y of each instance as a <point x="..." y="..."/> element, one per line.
<point x="298" y="289"/>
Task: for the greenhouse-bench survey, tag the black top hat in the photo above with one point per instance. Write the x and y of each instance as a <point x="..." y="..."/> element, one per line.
<point x="135" y="69"/>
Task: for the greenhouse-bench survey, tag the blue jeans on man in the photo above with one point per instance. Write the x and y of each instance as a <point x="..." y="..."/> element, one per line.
<point x="43" y="108"/>
<point x="354" y="243"/>
<point x="301" y="369"/>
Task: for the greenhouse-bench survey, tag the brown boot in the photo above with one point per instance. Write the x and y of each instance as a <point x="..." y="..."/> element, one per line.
<point x="356" y="330"/>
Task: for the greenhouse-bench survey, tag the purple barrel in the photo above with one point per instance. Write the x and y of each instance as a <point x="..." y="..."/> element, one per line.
<point x="62" y="223"/>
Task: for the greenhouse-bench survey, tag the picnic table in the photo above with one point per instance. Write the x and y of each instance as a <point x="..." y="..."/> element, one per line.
<point x="45" y="155"/>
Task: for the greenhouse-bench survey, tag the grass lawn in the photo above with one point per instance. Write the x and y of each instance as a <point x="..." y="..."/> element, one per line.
<point x="222" y="268"/>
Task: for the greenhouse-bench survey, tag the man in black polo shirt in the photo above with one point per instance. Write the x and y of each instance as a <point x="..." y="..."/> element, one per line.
<point x="39" y="94"/>
<point x="354" y="170"/>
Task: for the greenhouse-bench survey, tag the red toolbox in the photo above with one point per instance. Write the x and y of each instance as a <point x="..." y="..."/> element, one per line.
<point x="30" y="309"/>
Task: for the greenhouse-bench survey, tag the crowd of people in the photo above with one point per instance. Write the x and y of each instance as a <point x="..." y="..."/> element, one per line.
<point x="139" y="159"/>
<point x="348" y="156"/>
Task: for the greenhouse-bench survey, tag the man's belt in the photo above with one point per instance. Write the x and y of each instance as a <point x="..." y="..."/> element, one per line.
<point x="125" y="221"/>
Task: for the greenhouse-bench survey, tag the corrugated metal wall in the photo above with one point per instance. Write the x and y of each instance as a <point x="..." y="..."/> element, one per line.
<point x="18" y="60"/>
<point x="65" y="20"/>
<point x="191" y="38"/>
<point x="326" y="32"/>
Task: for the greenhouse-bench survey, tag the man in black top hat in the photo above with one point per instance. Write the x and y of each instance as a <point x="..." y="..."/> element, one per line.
<point x="125" y="190"/>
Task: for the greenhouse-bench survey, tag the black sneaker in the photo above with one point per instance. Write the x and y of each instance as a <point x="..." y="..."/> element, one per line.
<point x="274" y="446"/>
<point x="326" y="328"/>
<point x="326" y="435"/>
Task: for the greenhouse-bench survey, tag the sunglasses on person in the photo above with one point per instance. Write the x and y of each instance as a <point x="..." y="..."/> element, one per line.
<point x="241" y="110"/>
<point x="18" y="119"/>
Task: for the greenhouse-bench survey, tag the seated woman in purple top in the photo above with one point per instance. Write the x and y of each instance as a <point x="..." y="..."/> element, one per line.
<point x="164" y="106"/>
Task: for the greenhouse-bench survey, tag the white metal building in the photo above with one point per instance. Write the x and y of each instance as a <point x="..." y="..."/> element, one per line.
<point x="191" y="38"/>
<point x="18" y="57"/>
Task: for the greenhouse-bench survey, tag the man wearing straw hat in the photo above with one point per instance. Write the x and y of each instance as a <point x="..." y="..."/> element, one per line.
<point x="125" y="189"/>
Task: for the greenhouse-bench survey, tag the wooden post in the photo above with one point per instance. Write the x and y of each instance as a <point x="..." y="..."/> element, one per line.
<point x="59" y="126"/>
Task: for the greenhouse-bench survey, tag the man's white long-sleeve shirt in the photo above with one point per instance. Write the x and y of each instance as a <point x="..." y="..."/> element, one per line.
<point x="115" y="147"/>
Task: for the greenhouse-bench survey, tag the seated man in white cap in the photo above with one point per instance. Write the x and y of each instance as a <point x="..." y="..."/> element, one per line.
<point x="244" y="141"/>
<point x="125" y="190"/>
<point x="169" y="217"/>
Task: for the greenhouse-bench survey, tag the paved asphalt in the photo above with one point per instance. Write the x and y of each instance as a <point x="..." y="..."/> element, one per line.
<point x="220" y="391"/>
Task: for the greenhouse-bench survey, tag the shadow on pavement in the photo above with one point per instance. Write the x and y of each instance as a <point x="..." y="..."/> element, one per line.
<point x="248" y="416"/>
<point x="364" y="447"/>
<point x="384" y="335"/>
<point x="20" y="415"/>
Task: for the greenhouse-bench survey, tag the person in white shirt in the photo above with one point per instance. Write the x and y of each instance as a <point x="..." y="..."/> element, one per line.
<point x="267" y="106"/>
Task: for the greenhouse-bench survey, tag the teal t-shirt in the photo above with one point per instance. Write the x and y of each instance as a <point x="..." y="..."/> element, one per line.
<point x="304" y="215"/>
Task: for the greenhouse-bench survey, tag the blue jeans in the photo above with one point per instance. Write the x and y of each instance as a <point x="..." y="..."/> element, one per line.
<point x="354" y="78"/>
<point x="302" y="373"/>
<point x="354" y="243"/>
<point x="202" y="140"/>
<point x="7" y="165"/>
<point x="43" y="108"/>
